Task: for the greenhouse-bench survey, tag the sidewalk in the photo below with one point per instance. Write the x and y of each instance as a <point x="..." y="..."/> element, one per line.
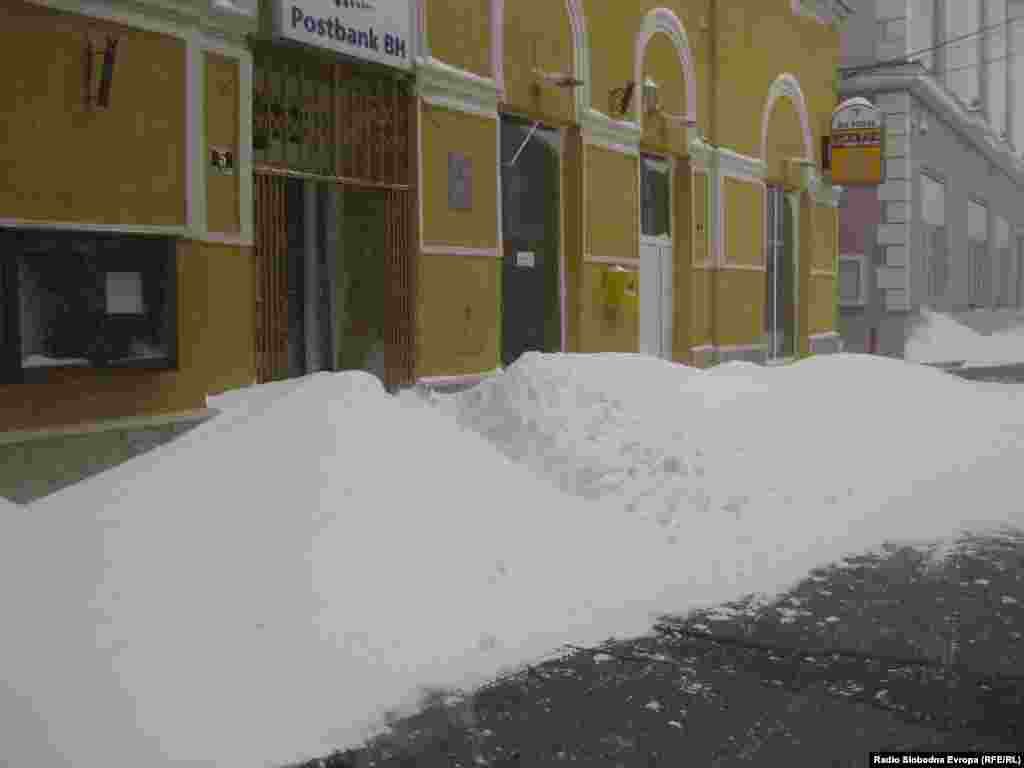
<point x="852" y="660"/>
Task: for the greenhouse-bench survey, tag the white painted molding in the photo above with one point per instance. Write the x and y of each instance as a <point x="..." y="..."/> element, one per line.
<point x="737" y="166"/>
<point x="445" y="86"/>
<point x="226" y="239"/>
<point x="218" y="43"/>
<point x="618" y="135"/>
<point x="420" y="19"/>
<point x="742" y="348"/>
<point x="164" y="17"/>
<point x="667" y="23"/>
<point x="787" y="86"/>
<point x="580" y="59"/>
<point x="825" y="193"/>
<point x="497" y="45"/>
<point x="701" y="154"/>
<point x="174" y="24"/>
<point x="246" y="204"/>
<point x="440" y="249"/>
<point x="468" y="379"/>
<point x="734" y="267"/>
<point x="716" y="212"/>
<point x="621" y="261"/>
<point x="622" y="149"/>
<point x="455" y="104"/>
<point x="85" y="226"/>
<point x="195" y="136"/>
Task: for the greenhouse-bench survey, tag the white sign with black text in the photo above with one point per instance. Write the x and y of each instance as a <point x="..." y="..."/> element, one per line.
<point x="375" y="30"/>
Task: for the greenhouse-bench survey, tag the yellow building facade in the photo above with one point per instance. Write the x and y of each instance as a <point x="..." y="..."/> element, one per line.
<point x="127" y="259"/>
<point x="559" y="176"/>
<point x="691" y="218"/>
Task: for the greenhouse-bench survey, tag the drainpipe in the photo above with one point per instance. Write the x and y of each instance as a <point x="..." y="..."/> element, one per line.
<point x="716" y="178"/>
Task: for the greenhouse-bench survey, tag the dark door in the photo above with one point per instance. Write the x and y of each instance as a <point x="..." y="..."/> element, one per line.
<point x="531" y="317"/>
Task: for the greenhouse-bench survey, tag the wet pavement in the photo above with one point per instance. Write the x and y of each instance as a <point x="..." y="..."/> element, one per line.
<point x="897" y="650"/>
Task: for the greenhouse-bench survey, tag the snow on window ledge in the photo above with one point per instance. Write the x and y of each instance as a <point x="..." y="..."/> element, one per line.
<point x="245" y="8"/>
<point x="822" y="11"/>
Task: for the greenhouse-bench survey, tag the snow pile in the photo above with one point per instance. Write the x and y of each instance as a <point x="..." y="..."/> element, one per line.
<point x="939" y="338"/>
<point x="987" y="321"/>
<point x="828" y="455"/>
<point x="264" y="588"/>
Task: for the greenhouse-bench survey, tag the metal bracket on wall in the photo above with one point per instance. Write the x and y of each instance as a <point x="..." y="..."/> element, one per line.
<point x="533" y="129"/>
<point x="106" y="74"/>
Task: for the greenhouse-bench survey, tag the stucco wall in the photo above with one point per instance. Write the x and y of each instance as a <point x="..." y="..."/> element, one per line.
<point x="607" y="328"/>
<point x="611" y="203"/>
<point x="540" y="39"/>
<point x="458" y="320"/>
<point x="740" y="319"/>
<point x="744" y="223"/>
<point x="444" y="132"/>
<point x="121" y="165"/>
<point x="460" y="34"/>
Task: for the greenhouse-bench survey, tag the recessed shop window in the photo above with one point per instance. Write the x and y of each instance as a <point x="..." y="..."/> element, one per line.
<point x="85" y="300"/>
<point x="655" y="214"/>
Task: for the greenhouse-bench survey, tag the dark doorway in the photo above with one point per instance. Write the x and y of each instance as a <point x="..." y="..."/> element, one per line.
<point x="531" y="306"/>
<point x="780" y="303"/>
<point x="324" y="289"/>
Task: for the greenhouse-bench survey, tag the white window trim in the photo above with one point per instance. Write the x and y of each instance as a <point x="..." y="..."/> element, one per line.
<point x="861" y="261"/>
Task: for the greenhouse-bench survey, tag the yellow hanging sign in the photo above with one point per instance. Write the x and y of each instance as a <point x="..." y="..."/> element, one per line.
<point x="855" y="144"/>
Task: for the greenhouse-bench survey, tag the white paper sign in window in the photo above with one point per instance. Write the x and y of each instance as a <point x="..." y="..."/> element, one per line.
<point x="124" y="293"/>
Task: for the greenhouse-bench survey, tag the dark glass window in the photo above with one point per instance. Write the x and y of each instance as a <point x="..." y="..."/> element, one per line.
<point x="655" y="215"/>
<point x="86" y="300"/>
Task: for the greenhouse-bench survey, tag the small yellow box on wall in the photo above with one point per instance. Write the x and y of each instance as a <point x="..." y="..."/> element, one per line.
<point x="620" y="288"/>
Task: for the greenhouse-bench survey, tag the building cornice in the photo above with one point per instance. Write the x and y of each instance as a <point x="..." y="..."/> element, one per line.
<point x="947" y="108"/>
<point x="603" y="131"/>
<point x="231" y="21"/>
<point x="453" y="88"/>
<point x="734" y="164"/>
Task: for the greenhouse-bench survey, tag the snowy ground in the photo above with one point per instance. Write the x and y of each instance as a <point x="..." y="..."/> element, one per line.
<point x="265" y="588"/>
<point x="976" y="338"/>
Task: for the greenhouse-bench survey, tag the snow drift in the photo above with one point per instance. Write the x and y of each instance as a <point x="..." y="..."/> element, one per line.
<point x="264" y="588"/>
<point x="939" y="338"/>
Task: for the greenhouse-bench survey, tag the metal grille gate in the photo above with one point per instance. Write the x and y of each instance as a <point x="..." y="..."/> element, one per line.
<point x="329" y="121"/>
<point x="271" y="278"/>
<point x="272" y="282"/>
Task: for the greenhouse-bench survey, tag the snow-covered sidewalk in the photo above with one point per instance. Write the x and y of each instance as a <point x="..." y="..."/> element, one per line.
<point x="265" y="588"/>
<point x="978" y="339"/>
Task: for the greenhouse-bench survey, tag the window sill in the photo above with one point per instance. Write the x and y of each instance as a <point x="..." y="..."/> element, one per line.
<point x="39" y="374"/>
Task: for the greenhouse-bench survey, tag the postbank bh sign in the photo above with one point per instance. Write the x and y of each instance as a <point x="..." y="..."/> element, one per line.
<point x="374" y="30"/>
<point x="855" y="144"/>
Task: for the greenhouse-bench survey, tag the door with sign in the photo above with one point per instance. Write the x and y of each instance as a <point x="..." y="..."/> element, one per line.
<point x="530" y="176"/>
